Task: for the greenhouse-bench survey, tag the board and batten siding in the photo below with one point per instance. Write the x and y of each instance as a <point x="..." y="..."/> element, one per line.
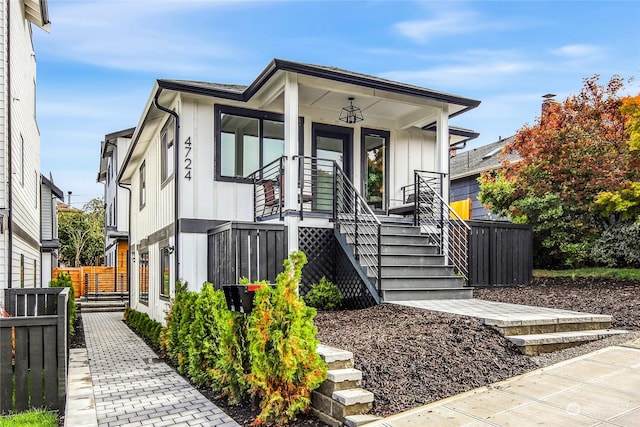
<point x="4" y="240"/>
<point x="25" y="143"/>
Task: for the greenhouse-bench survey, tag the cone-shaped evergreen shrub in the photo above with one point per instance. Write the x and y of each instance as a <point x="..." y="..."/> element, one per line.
<point x="204" y="340"/>
<point x="282" y="338"/>
<point x="233" y="364"/>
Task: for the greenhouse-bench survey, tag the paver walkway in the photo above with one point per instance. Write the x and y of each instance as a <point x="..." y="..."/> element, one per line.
<point x="133" y="388"/>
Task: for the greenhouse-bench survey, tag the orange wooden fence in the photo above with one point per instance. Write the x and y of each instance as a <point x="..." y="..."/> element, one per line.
<point x="94" y="279"/>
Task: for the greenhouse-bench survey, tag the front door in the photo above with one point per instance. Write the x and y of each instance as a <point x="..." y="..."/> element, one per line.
<point x="330" y="144"/>
<point x="375" y="165"/>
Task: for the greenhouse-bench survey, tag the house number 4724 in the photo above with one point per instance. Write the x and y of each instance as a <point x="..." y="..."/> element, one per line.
<point x="187" y="159"/>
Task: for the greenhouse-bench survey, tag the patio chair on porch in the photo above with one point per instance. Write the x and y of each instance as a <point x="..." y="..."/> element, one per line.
<point x="271" y="197"/>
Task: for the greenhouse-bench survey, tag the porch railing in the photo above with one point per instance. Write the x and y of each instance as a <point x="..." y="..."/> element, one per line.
<point x="443" y="225"/>
<point x="268" y="190"/>
<point x="355" y="220"/>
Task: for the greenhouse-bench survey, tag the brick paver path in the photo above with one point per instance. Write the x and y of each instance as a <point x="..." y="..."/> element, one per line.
<point x="133" y="388"/>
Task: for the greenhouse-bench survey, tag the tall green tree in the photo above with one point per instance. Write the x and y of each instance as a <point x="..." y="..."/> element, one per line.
<point x="575" y="151"/>
<point x="81" y="234"/>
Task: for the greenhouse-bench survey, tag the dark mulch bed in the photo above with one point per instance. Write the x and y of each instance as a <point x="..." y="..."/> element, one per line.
<point x="410" y="357"/>
<point x="77" y="339"/>
<point x="619" y="298"/>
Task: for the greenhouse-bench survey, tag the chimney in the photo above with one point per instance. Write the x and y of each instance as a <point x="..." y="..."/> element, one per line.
<point x="546" y="103"/>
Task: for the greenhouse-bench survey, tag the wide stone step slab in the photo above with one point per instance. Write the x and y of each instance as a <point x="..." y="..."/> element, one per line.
<point x="534" y="344"/>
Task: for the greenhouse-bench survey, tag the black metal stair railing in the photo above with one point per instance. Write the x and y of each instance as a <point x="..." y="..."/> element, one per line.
<point x="268" y="190"/>
<point x="447" y="230"/>
<point x="355" y="220"/>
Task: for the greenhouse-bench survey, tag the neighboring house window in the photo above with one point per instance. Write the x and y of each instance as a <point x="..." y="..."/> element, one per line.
<point x="165" y="271"/>
<point x="247" y="140"/>
<point x="167" y="153"/>
<point x="143" y="278"/>
<point x="143" y="185"/>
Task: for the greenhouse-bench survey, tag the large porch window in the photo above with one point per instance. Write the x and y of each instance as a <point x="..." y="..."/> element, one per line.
<point x="246" y="140"/>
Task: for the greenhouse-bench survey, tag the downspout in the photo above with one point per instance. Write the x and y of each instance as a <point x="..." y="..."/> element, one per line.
<point x="129" y="263"/>
<point x="9" y="152"/>
<point x="176" y="145"/>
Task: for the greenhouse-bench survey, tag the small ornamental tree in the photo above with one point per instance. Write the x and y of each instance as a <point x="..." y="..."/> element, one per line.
<point x="577" y="149"/>
<point x="285" y="367"/>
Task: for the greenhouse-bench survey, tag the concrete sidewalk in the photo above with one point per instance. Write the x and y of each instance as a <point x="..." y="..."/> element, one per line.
<point x="125" y="384"/>
<point x="598" y="389"/>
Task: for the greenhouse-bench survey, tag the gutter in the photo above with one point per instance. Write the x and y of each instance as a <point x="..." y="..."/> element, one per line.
<point x="129" y="263"/>
<point x="10" y="154"/>
<point x="176" y="165"/>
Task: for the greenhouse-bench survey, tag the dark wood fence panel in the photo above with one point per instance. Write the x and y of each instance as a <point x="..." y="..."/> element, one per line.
<point x="252" y="250"/>
<point x="500" y="253"/>
<point x="33" y="349"/>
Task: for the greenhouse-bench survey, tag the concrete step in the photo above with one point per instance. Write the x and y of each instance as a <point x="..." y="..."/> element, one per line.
<point x="424" y="282"/>
<point x="535" y="344"/>
<point x="353" y="396"/>
<point x="535" y="324"/>
<point x="336" y="410"/>
<point x="340" y="379"/>
<point x="413" y="271"/>
<point x="335" y="358"/>
<point x="100" y="306"/>
<point x="396" y="295"/>
<point x="360" y="420"/>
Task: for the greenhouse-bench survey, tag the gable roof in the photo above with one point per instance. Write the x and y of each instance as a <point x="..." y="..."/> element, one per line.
<point x="481" y="159"/>
<point x="396" y="93"/>
<point x="244" y="93"/>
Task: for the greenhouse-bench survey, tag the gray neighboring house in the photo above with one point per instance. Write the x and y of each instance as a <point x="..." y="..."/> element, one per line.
<point x="467" y="166"/>
<point x="50" y="194"/>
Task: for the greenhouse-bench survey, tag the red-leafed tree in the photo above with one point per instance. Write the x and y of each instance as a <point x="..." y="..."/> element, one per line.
<point x="576" y="150"/>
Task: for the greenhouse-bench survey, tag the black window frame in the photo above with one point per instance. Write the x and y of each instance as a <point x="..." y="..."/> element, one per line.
<point x="165" y="251"/>
<point x="364" y="132"/>
<point x="143" y="273"/>
<point x="143" y="185"/>
<point x="218" y="110"/>
<point x="165" y="162"/>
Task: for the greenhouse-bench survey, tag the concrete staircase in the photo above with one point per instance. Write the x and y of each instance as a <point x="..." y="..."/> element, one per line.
<point x="339" y="400"/>
<point x="103" y="302"/>
<point x="412" y="269"/>
<point x="533" y="330"/>
<point x="536" y="336"/>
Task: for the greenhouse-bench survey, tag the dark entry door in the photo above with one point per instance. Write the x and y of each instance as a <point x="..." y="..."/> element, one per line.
<point x="330" y="143"/>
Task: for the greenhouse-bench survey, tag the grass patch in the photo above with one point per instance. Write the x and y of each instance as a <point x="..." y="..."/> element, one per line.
<point x="36" y="418"/>
<point x="599" y="272"/>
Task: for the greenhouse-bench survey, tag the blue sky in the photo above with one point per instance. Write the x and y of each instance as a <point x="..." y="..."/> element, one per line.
<point x="97" y="66"/>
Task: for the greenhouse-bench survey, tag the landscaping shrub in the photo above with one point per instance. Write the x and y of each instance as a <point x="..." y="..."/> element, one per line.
<point x="174" y="337"/>
<point x="143" y="325"/>
<point x="618" y="246"/>
<point x="204" y="338"/>
<point x="324" y="296"/>
<point x="63" y="280"/>
<point x="282" y="339"/>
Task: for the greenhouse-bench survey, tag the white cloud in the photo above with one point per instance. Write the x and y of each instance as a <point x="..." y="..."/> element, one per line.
<point x="578" y="51"/>
<point x="467" y="69"/>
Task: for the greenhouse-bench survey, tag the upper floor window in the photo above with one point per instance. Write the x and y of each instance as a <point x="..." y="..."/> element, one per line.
<point x="143" y="184"/>
<point x="167" y="150"/>
<point x="246" y="141"/>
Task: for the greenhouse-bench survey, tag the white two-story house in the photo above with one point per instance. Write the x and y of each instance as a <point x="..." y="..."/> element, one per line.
<point x="352" y="169"/>
<point x="20" y="179"/>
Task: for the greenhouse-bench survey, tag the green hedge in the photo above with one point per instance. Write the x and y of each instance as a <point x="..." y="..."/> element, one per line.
<point x="143" y="325"/>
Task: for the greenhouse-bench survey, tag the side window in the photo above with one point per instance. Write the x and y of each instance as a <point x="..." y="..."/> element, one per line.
<point x="168" y="150"/>
<point x="165" y="271"/>
<point x="143" y="184"/>
<point x="143" y="278"/>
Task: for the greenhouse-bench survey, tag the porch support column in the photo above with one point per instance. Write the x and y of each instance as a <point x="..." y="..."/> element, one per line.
<point x="442" y="142"/>
<point x="291" y="164"/>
